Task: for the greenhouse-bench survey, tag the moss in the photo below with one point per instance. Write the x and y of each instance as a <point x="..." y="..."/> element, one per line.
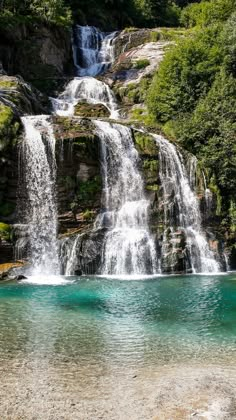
<point x="150" y="170"/>
<point x="5" y="231"/>
<point x="151" y="165"/>
<point x="232" y="215"/>
<point x="72" y="128"/>
<point x="84" y="109"/>
<point x="6" y="116"/>
<point x="135" y="92"/>
<point x="146" y="144"/>
<point x="153" y="187"/>
<point x="155" y="36"/>
<point x="130" y="29"/>
<point x="88" y="215"/>
<point x="137" y="114"/>
<point x="8" y="84"/>
<point x="215" y="190"/>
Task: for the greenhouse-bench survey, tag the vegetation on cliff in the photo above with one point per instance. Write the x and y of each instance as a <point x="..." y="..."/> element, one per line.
<point x="193" y="95"/>
<point x="108" y="13"/>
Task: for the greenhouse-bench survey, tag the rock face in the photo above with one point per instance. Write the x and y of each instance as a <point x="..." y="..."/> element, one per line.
<point x="127" y="40"/>
<point x="86" y="257"/>
<point x="21" y="97"/>
<point x="41" y="54"/>
<point x="79" y="183"/>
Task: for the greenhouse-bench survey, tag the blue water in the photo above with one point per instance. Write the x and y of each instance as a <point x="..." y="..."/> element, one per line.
<point x="104" y="322"/>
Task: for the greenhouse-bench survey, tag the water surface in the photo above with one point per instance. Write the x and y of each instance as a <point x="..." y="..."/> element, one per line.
<point x="89" y="332"/>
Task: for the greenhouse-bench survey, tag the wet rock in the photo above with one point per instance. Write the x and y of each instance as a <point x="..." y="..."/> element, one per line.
<point x="127" y="40"/>
<point x="84" y="109"/>
<point x="87" y="251"/>
<point x="21" y="97"/>
<point x="50" y="47"/>
<point x="11" y="271"/>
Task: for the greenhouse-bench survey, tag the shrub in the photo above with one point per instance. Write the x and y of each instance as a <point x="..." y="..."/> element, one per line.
<point x="141" y="63"/>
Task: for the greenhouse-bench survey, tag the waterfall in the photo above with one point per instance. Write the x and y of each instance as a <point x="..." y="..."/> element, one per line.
<point x="181" y="207"/>
<point x="68" y="254"/>
<point x="92" y="50"/>
<point x="38" y="154"/>
<point x="86" y="89"/>
<point x="129" y="247"/>
<point x="93" y="53"/>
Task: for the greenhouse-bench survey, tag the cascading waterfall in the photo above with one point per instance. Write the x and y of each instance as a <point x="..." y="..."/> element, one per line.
<point x="129" y="247"/>
<point x="92" y="50"/>
<point x="86" y="89"/>
<point x="68" y="254"/>
<point x="93" y="54"/>
<point x="38" y="154"/>
<point x="181" y="207"/>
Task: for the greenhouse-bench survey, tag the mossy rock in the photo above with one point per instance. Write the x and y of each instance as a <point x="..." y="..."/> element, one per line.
<point x="22" y="98"/>
<point x="73" y="128"/>
<point x="84" y="109"/>
<point x="150" y="170"/>
<point x="133" y="93"/>
<point x="145" y="144"/>
<point x="5" y="232"/>
<point x="7" y="83"/>
<point x="6" y="116"/>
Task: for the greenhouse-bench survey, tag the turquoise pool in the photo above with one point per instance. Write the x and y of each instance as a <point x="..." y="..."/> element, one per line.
<point x="90" y="331"/>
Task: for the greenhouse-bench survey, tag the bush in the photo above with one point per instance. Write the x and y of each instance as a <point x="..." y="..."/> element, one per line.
<point x="185" y="75"/>
<point x="206" y="13"/>
<point x="141" y="63"/>
<point x="193" y="96"/>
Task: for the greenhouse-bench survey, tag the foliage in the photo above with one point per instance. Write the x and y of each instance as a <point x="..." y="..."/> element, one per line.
<point x="54" y="11"/>
<point x="193" y="95"/>
<point x="141" y="63"/>
<point x="108" y="14"/>
<point x="88" y="190"/>
<point x="207" y="12"/>
<point x="185" y="75"/>
<point x="6" y="117"/>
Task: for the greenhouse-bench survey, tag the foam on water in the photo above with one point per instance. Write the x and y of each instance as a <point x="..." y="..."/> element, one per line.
<point x="50" y="280"/>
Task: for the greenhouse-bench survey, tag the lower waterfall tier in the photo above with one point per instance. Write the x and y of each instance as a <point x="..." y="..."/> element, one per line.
<point x="86" y="223"/>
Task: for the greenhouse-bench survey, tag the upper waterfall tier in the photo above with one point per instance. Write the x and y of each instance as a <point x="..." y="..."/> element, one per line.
<point x="86" y="89"/>
<point x="93" y="53"/>
<point x="181" y="207"/>
<point x="92" y="50"/>
<point x="129" y="247"/>
<point x="39" y="164"/>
